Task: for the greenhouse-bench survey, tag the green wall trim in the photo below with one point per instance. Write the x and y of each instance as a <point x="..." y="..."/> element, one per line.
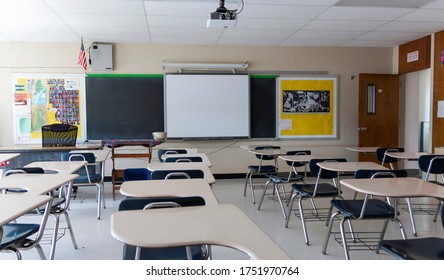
<point x="263" y="76"/>
<point x="125" y="75"/>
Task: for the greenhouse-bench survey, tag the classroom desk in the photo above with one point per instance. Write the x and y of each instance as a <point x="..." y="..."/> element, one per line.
<point x="225" y="225"/>
<point x="204" y="157"/>
<point x="395" y="187"/>
<point x="170" y="188"/>
<point x="350" y="166"/>
<point x="365" y="150"/>
<point x="269" y="152"/>
<point x="4" y="161"/>
<point x="59" y="166"/>
<point x="15" y="206"/>
<point x="101" y="155"/>
<point x="208" y="175"/>
<point x="406" y="155"/>
<point x="40" y="184"/>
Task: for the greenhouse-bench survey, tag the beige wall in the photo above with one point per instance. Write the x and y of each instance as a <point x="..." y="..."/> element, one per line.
<point x="226" y="156"/>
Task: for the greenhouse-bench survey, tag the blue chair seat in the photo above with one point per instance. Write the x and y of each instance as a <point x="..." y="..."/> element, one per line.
<point x="13" y="233"/>
<point x="375" y="208"/>
<point x="429" y="248"/>
<point x="171" y="253"/>
<point x="323" y="189"/>
<point x="83" y="179"/>
<point x="263" y="168"/>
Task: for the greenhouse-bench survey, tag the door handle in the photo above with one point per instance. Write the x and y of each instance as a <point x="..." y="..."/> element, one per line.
<point x="362" y="128"/>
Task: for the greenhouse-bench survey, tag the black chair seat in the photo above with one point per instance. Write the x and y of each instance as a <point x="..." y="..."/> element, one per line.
<point x="429" y="248"/>
<point x="262" y="169"/>
<point x="171" y="253"/>
<point x="283" y="177"/>
<point x="323" y="189"/>
<point x="13" y="233"/>
<point x="375" y="208"/>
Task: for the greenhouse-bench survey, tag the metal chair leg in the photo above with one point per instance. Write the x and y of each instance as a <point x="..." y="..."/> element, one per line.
<point x="304" y="227"/>
<point x="263" y="194"/>
<point x="290" y="206"/>
<point x="71" y="232"/>
<point x="327" y="237"/>
<point x="276" y="186"/>
<point x="412" y="219"/>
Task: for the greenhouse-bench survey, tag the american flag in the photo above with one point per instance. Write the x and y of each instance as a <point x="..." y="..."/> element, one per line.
<point x="82" y="56"/>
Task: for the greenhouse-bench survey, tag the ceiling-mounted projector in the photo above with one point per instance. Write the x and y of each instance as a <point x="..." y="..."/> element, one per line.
<point x="222" y="17"/>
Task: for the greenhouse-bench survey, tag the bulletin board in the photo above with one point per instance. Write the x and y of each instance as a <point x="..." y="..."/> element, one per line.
<point x="308" y="107"/>
<point x="41" y="99"/>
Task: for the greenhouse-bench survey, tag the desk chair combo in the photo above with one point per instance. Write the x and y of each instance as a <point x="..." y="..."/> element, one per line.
<point x="432" y="165"/>
<point x="161" y="152"/>
<point x="349" y="210"/>
<point x="171" y="253"/>
<point x="261" y="169"/>
<point x="314" y="191"/>
<point x="59" y="206"/>
<point x="91" y="175"/>
<point x="383" y="158"/>
<point x="427" y="248"/>
<point x="184" y="159"/>
<point x="281" y="178"/>
<point x="177" y="174"/>
<point x="16" y="236"/>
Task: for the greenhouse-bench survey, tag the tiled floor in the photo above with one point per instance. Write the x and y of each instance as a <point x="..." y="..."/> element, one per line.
<point x="96" y="243"/>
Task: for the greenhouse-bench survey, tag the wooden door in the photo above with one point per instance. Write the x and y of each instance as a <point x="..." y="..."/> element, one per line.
<point x="380" y="127"/>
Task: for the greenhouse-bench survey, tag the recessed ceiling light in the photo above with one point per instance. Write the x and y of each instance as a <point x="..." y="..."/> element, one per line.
<point x="385" y="3"/>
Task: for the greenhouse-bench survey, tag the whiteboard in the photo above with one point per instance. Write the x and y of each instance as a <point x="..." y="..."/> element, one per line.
<point x="207" y="105"/>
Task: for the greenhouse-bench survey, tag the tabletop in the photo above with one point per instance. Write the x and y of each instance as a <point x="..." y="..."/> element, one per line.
<point x="350" y="166"/>
<point x="170" y="188"/>
<point x="208" y="175"/>
<point x="406" y="155"/>
<point x="101" y="155"/>
<point x="14" y="206"/>
<point x="269" y="152"/>
<point x="7" y="156"/>
<point x="363" y="149"/>
<point x="204" y="157"/>
<point x="59" y="166"/>
<point x="36" y="183"/>
<point x="300" y="158"/>
<point x="225" y="225"/>
<point x="395" y="187"/>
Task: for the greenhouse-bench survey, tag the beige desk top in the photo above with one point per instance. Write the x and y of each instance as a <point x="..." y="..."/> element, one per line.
<point x="204" y="157"/>
<point x="300" y="158"/>
<point x="350" y="166"/>
<point x="6" y="157"/>
<point x="101" y="155"/>
<point x="362" y="149"/>
<point x="170" y="188"/>
<point x="395" y="187"/>
<point x="36" y="183"/>
<point x="406" y="155"/>
<point x="14" y="206"/>
<point x="269" y="152"/>
<point x="59" y="166"/>
<point x="208" y="175"/>
<point x="224" y="225"/>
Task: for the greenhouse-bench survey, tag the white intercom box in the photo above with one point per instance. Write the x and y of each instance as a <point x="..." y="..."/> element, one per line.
<point x="102" y="57"/>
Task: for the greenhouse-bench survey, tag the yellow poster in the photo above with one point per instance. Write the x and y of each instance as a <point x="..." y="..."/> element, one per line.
<point x="307" y="107"/>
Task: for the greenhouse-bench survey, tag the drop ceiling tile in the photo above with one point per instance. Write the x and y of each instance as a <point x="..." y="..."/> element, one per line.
<point x="23" y="6"/>
<point x="392" y="36"/>
<point x="179" y="22"/>
<point x="268" y="23"/>
<point x="282" y="11"/>
<point x="184" y="8"/>
<point x="327" y="35"/>
<point x="293" y="2"/>
<point x="257" y="33"/>
<point x="438" y="4"/>
<point x="319" y="42"/>
<point x="111" y="7"/>
<point x="249" y="41"/>
<point x="373" y="44"/>
<point x="424" y="15"/>
<point x="108" y="20"/>
<point x="187" y="32"/>
<point x="401" y="26"/>
<point x="40" y="33"/>
<point x="184" y="41"/>
<point x="360" y="13"/>
<point x="343" y="25"/>
<point x="30" y="18"/>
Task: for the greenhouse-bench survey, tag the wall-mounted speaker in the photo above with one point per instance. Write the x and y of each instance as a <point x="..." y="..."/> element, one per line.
<point x="101" y="57"/>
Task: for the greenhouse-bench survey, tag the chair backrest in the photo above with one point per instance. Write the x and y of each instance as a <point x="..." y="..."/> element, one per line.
<point x="379" y="173"/>
<point x="292" y="153"/>
<point x="265" y="157"/>
<point x="176" y="174"/>
<point x="82" y="156"/>
<point x="184" y="159"/>
<point x="132" y="174"/>
<point x="160" y="152"/>
<point x="431" y="164"/>
<point x="135" y="203"/>
<point x="325" y="174"/>
<point x="59" y="135"/>
<point x="381" y="156"/>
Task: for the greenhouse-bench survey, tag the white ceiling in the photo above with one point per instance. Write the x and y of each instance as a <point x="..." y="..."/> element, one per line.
<point x="261" y="22"/>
